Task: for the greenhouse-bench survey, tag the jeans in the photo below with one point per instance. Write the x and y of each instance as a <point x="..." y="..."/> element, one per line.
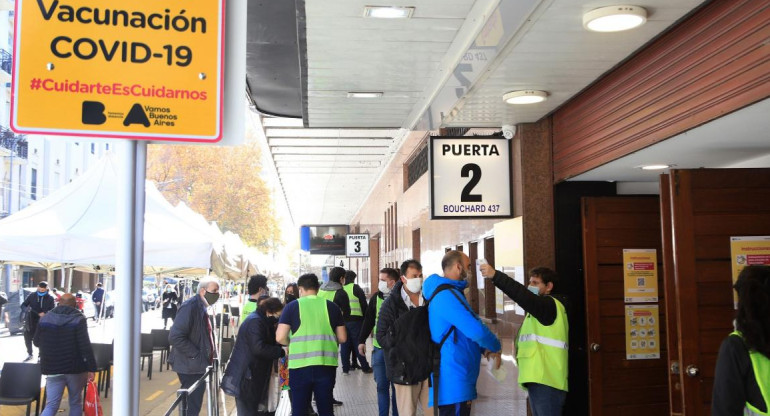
<point x="545" y="400"/>
<point x="54" y="390"/>
<point x="351" y="347"/>
<point x="315" y="380"/>
<point x="385" y="399"/>
<point x="456" y="409"/>
<point x="195" y="400"/>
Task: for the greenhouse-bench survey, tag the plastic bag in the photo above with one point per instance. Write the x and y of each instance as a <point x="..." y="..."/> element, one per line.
<point x="284" y="404"/>
<point x="92" y="405"/>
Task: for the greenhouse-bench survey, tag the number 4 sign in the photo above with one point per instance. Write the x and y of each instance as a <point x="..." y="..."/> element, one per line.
<point x="470" y="177"/>
<point x="357" y="245"/>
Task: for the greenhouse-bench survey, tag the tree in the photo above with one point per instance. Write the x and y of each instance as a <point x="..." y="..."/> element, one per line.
<point x="221" y="183"/>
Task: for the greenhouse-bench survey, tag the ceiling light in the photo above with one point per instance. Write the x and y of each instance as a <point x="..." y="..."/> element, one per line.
<point x="614" y="18"/>
<point x="655" y="167"/>
<point x="525" y="97"/>
<point x="364" y="94"/>
<point x="388" y="12"/>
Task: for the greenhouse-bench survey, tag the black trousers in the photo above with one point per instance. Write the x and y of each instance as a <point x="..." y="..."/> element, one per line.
<point x="28" y="335"/>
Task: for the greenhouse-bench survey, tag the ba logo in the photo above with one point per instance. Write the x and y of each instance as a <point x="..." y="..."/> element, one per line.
<point x="93" y="113"/>
<point x="136" y="116"/>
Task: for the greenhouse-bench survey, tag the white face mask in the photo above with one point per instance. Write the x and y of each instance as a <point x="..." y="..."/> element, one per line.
<point x="414" y="285"/>
<point x="383" y="286"/>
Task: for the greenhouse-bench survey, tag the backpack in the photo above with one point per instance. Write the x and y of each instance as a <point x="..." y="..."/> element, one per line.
<point x="414" y="355"/>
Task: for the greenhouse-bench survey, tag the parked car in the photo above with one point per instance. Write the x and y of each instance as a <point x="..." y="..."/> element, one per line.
<point x="12" y="313"/>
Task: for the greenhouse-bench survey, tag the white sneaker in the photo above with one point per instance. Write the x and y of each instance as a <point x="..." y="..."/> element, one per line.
<point x="29" y="357"/>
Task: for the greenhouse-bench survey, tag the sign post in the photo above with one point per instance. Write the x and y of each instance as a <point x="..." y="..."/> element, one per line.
<point x="357" y="245"/>
<point x="144" y="69"/>
<point x="470" y="177"/>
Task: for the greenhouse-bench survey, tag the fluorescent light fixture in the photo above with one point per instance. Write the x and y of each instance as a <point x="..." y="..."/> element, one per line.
<point x="525" y="97"/>
<point x="614" y="18"/>
<point x="388" y="12"/>
<point x="655" y="167"/>
<point x="364" y="94"/>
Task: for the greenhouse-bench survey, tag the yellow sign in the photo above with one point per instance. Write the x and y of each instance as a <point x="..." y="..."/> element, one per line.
<point x="747" y="251"/>
<point x="640" y="275"/>
<point x="642" y="332"/>
<point x="140" y="69"/>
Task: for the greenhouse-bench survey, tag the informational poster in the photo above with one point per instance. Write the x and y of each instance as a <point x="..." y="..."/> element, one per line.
<point x="747" y="251"/>
<point x="642" y="332"/>
<point x="357" y="245"/>
<point x="640" y="275"/>
<point x="499" y="301"/>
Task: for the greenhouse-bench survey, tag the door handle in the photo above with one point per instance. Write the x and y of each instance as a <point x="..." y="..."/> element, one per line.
<point x="692" y="370"/>
<point x="595" y="347"/>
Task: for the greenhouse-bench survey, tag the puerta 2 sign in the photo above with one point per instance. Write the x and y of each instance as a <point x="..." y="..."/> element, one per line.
<point x="470" y="177"/>
<point x="140" y="69"/>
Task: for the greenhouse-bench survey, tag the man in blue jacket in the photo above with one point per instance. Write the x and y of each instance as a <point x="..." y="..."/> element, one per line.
<point x="462" y="351"/>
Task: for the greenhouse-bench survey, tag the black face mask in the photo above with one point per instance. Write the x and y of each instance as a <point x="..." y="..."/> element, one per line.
<point x="290" y="297"/>
<point x="272" y="320"/>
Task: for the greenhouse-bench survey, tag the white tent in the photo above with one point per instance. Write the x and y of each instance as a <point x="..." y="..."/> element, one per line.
<point x="78" y="224"/>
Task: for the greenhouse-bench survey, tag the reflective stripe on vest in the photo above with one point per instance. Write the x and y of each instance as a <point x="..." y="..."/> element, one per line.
<point x="376" y="319"/>
<point x="542" y="351"/>
<point x="314" y="343"/>
<point x="355" y="304"/>
<point x="761" y="365"/>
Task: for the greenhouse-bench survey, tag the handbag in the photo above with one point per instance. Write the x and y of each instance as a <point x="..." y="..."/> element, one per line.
<point x="284" y="404"/>
<point x="92" y="405"/>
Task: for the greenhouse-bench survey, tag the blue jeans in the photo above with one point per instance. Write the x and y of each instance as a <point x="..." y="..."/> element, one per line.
<point x="195" y="400"/>
<point x="54" y="390"/>
<point x="351" y="346"/>
<point x="384" y="399"/>
<point x="545" y="400"/>
<point x="315" y="380"/>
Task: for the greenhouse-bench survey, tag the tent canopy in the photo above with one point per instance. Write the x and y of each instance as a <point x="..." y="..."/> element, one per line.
<point x="78" y="224"/>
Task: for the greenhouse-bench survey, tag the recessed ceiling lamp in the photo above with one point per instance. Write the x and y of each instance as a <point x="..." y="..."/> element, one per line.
<point x="388" y="12"/>
<point x="654" y="167"/>
<point x="525" y="97"/>
<point x="364" y="94"/>
<point x="614" y="18"/>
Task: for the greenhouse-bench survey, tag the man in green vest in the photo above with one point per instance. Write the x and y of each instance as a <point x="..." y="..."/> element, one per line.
<point x="386" y="392"/>
<point x="353" y="325"/>
<point x="311" y="327"/>
<point x="257" y="288"/>
<point x="542" y="345"/>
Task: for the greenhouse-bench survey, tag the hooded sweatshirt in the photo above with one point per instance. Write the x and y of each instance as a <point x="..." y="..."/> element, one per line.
<point x="341" y="298"/>
<point x="65" y="348"/>
<point x="461" y="353"/>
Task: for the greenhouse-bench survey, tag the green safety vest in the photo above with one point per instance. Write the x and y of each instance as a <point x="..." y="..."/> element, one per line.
<point x="327" y="294"/>
<point x="248" y="308"/>
<point x="376" y="319"/>
<point x="355" y="304"/>
<point x="761" y="365"/>
<point x="542" y="351"/>
<point x="314" y="343"/>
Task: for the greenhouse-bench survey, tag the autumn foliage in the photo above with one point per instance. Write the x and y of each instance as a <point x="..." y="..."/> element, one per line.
<point x="221" y="183"/>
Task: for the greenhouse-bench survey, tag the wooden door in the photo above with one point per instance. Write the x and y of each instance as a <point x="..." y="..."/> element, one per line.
<point x="619" y="386"/>
<point x="669" y="286"/>
<point x="708" y="206"/>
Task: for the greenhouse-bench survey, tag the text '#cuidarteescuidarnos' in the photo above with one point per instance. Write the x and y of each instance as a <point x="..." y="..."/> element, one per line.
<point x="85" y="48"/>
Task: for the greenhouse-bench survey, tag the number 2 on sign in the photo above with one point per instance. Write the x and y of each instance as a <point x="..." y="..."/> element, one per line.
<point x="474" y="171"/>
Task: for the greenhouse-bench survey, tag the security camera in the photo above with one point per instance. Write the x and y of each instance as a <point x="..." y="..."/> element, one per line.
<point x="509" y="131"/>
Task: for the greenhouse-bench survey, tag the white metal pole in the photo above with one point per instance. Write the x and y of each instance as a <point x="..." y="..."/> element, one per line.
<point x="128" y="269"/>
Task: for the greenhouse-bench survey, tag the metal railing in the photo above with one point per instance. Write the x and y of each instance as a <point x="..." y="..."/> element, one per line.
<point x="211" y="380"/>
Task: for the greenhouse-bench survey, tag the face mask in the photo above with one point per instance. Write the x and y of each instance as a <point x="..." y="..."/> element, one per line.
<point x="534" y="289"/>
<point x="383" y="286"/>
<point x="290" y="297"/>
<point x="272" y="319"/>
<point x="41" y="294"/>
<point x="414" y="285"/>
<point x="168" y="290"/>
<point x="211" y="298"/>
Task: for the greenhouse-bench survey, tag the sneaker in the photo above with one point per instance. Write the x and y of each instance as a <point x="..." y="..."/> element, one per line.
<point x="368" y="370"/>
<point x="29" y="357"/>
<point x="345" y="373"/>
<point x="336" y="402"/>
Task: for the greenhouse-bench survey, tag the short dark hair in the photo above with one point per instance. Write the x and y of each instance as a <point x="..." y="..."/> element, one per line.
<point x="98" y="285"/>
<point x="410" y="263"/>
<point x="451" y="258"/>
<point x="350" y="276"/>
<point x="257" y="282"/>
<point x="336" y="273"/>
<point x="391" y="272"/>
<point x="545" y="274"/>
<point x="270" y="305"/>
<point x="753" y="287"/>
<point x="43" y="284"/>
<point x="308" y="281"/>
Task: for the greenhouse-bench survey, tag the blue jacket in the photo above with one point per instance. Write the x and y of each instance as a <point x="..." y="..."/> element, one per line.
<point x="65" y="348"/>
<point x="460" y="354"/>
<point x="189" y="338"/>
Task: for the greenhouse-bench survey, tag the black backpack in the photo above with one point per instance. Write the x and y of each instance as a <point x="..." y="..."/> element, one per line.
<point x="414" y="355"/>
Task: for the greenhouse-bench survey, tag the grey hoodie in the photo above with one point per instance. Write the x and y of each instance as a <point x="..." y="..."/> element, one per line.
<point x="341" y="298"/>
